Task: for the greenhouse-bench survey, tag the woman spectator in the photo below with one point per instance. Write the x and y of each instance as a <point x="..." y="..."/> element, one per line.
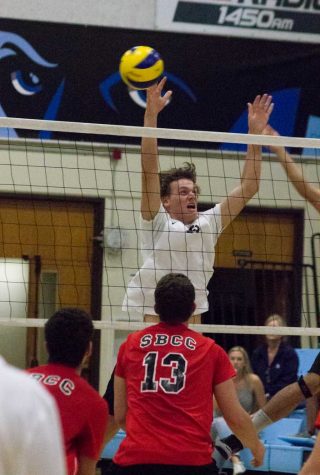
<point x="275" y="362"/>
<point x="249" y="389"/>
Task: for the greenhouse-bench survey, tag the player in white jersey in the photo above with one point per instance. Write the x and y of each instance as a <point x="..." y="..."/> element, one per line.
<point x="30" y="433"/>
<point x="175" y="237"/>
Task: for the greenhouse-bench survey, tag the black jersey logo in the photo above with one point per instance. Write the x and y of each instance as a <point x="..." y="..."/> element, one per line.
<point x="194" y="228"/>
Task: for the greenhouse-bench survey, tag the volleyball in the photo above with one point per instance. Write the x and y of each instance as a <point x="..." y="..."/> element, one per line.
<point x="141" y="67"/>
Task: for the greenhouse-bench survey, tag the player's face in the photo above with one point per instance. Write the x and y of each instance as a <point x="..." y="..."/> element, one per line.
<point x="237" y="360"/>
<point x="181" y="204"/>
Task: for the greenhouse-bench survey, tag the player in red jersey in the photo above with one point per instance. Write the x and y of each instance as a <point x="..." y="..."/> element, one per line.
<point x="165" y="379"/>
<point x="83" y="411"/>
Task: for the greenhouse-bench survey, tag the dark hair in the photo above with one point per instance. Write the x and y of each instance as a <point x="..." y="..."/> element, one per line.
<point x="174" y="298"/>
<point x="68" y="334"/>
<point x="188" y="171"/>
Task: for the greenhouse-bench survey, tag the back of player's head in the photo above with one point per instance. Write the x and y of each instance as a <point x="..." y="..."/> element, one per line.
<point x="68" y="334"/>
<point x="174" y="298"/>
<point x="187" y="171"/>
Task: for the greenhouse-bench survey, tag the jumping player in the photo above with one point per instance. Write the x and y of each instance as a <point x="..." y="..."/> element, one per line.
<point x="83" y="412"/>
<point x="175" y="236"/>
<point x="165" y="379"/>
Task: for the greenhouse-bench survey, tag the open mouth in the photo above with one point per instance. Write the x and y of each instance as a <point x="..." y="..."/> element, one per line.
<point x="191" y="206"/>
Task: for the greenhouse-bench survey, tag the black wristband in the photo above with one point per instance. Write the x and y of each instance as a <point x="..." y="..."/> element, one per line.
<point x="315" y="368"/>
<point x="233" y="442"/>
<point x="304" y="388"/>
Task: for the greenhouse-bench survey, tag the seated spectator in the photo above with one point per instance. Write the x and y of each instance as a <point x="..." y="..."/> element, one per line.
<point x="275" y="362"/>
<point x="249" y="389"/>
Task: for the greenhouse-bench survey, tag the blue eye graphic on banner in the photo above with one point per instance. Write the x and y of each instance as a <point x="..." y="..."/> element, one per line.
<point x="50" y="71"/>
<point x="139" y="96"/>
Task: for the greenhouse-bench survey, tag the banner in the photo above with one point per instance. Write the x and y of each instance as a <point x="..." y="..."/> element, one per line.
<point x="286" y="20"/>
<point x="71" y="73"/>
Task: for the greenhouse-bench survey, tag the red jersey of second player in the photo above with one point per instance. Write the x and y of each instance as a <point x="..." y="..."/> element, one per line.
<point x="170" y="374"/>
<point x="82" y="410"/>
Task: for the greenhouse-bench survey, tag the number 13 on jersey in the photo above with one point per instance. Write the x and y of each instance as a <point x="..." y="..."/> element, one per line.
<point x="172" y="385"/>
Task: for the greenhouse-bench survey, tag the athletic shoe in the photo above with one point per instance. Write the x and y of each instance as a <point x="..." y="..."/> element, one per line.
<point x="238" y="468"/>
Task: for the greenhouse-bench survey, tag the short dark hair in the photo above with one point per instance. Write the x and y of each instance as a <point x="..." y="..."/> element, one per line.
<point x="174" y="298"/>
<point x="68" y="334"/>
<point x="188" y="171"/>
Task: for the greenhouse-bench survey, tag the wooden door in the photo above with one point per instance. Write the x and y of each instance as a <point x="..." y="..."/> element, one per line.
<point x="55" y="236"/>
<point x="266" y="235"/>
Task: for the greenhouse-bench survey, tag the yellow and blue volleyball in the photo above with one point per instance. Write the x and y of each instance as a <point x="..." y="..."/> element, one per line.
<point x="141" y="67"/>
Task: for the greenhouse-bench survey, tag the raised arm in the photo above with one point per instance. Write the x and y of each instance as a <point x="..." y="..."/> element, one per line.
<point x="308" y="191"/>
<point x="258" y="115"/>
<point x="150" y="199"/>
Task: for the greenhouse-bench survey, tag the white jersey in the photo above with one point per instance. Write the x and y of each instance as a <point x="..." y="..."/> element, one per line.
<point x="30" y="433"/>
<point x="168" y="245"/>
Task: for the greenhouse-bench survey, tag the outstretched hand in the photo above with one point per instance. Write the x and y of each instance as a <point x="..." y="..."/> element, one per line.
<point x="259" y="112"/>
<point x="155" y="100"/>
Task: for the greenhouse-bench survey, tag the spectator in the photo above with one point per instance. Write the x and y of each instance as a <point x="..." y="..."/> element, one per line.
<point x="250" y="392"/>
<point x="275" y="362"/>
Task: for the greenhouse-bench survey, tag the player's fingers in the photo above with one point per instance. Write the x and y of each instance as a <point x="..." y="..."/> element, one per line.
<point x="257" y="100"/>
<point x="167" y="96"/>
<point x="270" y="108"/>
<point x="267" y="101"/>
<point x="161" y="83"/>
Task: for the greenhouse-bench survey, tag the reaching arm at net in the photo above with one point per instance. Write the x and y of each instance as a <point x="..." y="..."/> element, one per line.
<point x="307" y="190"/>
<point x="150" y="200"/>
<point x="258" y="115"/>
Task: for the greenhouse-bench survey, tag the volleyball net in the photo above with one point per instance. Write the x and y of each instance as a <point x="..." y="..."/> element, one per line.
<point x="70" y="226"/>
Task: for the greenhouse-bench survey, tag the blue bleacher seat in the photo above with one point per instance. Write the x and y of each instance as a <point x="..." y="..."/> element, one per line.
<point x="306" y="358"/>
<point x="285" y="426"/>
<point x="111" y="447"/>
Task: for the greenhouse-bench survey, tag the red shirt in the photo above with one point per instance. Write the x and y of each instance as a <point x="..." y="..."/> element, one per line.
<point x="83" y="411"/>
<point x="170" y="374"/>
